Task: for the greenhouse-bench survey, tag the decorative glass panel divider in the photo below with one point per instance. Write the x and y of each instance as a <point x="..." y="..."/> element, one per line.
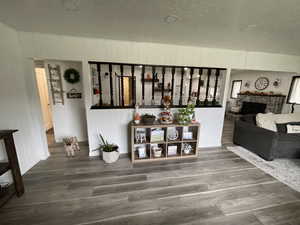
<point x="122" y="85"/>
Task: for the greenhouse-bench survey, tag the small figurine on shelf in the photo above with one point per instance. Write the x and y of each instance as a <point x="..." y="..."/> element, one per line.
<point x="137" y="116"/>
<point x="166" y="116"/>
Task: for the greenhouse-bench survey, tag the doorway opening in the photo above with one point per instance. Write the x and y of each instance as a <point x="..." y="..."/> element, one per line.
<point x="60" y="87"/>
<point x="43" y="90"/>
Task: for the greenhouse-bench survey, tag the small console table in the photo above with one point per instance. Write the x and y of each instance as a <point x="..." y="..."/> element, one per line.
<point x="177" y="143"/>
<point x="12" y="164"/>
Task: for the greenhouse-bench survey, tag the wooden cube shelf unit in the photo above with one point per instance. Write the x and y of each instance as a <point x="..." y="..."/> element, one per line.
<point x="193" y="129"/>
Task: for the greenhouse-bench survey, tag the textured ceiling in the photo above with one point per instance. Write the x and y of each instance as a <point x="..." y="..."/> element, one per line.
<point x="253" y="25"/>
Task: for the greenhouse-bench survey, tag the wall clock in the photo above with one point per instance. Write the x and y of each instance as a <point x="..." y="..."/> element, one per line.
<point x="262" y="83"/>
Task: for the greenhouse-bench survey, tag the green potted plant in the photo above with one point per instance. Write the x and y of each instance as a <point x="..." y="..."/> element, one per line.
<point x="185" y="115"/>
<point x="110" y="152"/>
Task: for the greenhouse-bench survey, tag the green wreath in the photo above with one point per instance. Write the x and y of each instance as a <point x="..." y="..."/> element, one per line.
<point x="72" y="76"/>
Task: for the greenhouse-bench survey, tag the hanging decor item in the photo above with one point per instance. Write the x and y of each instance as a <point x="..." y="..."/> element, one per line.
<point x="262" y="83"/>
<point x="247" y="84"/>
<point x="56" y="84"/>
<point x="72" y="76"/>
<point x="73" y="93"/>
<point x="277" y="83"/>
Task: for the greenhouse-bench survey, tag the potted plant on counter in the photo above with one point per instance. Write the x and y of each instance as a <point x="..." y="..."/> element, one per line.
<point x="185" y="116"/>
<point x="110" y="152"/>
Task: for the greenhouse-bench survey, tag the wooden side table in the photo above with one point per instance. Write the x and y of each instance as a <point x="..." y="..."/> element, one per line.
<point x="12" y="164"/>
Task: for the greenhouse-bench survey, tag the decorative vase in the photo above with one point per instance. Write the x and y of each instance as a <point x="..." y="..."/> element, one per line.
<point x="156" y="152"/>
<point x="111" y="157"/>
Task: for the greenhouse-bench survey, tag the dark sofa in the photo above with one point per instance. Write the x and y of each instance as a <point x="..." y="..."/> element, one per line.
<point x="265" y="143"/>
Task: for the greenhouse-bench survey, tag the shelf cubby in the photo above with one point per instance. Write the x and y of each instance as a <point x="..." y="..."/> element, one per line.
<point x="178" y="145"/>
<point x="163" y="154"/>
<point x="165" y="142"/>
<point x="193" y="152"/>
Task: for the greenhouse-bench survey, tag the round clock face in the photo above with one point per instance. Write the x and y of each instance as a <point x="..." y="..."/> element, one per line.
<point x="262" y="83"/>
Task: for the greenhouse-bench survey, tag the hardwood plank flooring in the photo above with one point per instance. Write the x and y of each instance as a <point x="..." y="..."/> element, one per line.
<point x="227" y="135"/>
<point x="216" y="188"/>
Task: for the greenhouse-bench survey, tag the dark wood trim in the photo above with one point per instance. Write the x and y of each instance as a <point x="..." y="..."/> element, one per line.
<point x="153" y="74"/>
<point x="163" y="84"/>
<point x="111" y="85"/>
<point x="181" y="86"/>
<point x="263" y="95"/>
<point x="199" y="86"/>
<point x="172" y="90"/>
<point x="216" y="86"/>
<point x="122" y="85"/>
<point x="133" y="86"/>
<point x="13" y="166"/>
<point x="99" y="83"/>
<point x="163" y="91"/>
<point x="191" y="83"/>
<point x="143" y="85"/>
<point x="232" y="84"/>
<point x="207" y="86"/>
<point x="119" y="86"/>
<point x="202" y="105"/>
<point x="150" y="65"/>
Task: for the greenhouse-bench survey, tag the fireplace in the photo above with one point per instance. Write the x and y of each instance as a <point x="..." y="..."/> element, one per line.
<point x="274" y="103"/>
<point x="252" y="108"/>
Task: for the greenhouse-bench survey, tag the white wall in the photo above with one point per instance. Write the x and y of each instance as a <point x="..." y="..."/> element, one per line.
<point x="84" y="49"/>
<point x="68" y="119"/>
<point x="252" y="76"/>
<point x="114" y="126"/>
<point x="19" y="107"/>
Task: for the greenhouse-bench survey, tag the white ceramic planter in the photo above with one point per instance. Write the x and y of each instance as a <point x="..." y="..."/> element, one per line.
<point x="110" y="157"/>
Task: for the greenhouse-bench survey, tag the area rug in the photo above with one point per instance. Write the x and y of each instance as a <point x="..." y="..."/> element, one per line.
<point x="285" y="170"/>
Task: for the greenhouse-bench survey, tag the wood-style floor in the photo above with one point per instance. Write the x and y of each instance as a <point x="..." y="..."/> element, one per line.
<point x="218" y="188"/>
<point x="227" y="135"/>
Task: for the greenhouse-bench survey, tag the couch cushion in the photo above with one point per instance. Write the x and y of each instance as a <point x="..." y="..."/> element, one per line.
<point x="268" y="120"/>
<point x="293" y="129"/>
<point x="249" y="119"/>
<point x="287" y="118"/>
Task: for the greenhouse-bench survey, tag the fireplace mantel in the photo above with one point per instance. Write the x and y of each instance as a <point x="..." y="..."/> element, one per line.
<point x="274" y="102"/>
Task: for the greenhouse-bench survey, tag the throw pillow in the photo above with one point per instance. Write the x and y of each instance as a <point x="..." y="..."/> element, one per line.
<point x="266" y="121"/>
<point x="287" y="118"/>
<point x="293" y="129"/>
<point x="282" y="127"/>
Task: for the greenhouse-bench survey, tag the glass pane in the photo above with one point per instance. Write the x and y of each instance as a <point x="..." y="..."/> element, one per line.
<point x="236" y="88"/>
<point x="295" y="93"/>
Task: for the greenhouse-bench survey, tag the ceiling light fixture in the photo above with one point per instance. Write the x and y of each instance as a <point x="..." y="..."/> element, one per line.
<point x="71" y="5"/>
<point x="171" y="19"/>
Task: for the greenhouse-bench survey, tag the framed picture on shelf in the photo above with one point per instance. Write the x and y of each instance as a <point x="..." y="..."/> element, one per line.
<point x="157" y="134"/>
<point x="140" y="135"/>
<point x="172" y="150"/>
